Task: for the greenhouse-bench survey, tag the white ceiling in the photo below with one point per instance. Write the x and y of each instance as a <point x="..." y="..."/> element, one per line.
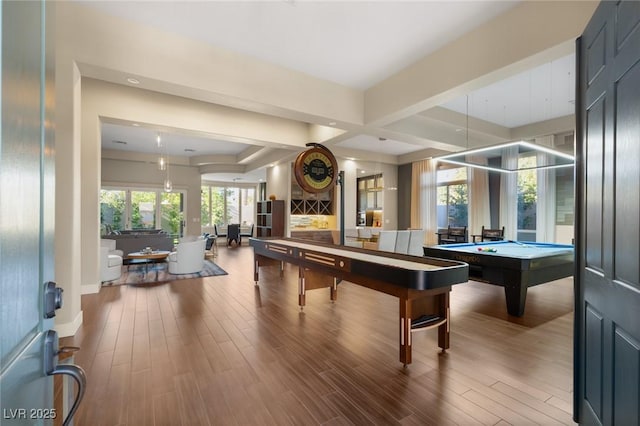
<point x="355" y="44"/>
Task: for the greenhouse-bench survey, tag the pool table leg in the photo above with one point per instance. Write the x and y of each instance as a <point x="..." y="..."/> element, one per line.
<point x="516" y="298"/>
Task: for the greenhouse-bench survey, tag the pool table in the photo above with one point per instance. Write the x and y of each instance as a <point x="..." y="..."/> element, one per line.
<point x="514" y="265"/>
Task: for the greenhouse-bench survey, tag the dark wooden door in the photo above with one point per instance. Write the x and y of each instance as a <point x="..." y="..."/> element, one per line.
<point x="607" y="338"/>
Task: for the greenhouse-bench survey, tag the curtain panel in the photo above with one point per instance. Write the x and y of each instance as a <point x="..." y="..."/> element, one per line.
<point x="424" y="192"/>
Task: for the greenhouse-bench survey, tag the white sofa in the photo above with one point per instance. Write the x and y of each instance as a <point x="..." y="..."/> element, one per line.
<point x="110" y="265"/>
<point x="188" y="257"/>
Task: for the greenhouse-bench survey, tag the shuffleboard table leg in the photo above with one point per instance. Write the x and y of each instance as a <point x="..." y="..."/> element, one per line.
<point x="334" y="290"/>
<point x="405" y="331"/>
<point x="444" y="329"/>
<point x="255" y="270"/>
<point x="301" y="288"/>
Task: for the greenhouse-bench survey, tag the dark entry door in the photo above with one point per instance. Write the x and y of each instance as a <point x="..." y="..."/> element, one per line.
<point x="607" y="363"/>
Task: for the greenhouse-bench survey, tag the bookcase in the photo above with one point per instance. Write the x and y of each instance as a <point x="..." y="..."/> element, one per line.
<point x="270" y="218"/>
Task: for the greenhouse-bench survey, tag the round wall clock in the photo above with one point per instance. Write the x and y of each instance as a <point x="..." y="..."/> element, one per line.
<point x="316" y="169"/>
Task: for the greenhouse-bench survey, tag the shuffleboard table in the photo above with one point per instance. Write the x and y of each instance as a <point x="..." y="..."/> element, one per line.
<point x="514" y="265"/>
<point x="422" y="284"/>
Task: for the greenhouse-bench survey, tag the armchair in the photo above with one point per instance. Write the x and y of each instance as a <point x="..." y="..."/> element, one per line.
<point x="188" y="257"/>
<point x="490" y="235"/>
<point x="416" y="242"/>
<point x="453" y="235"/>
<point x="110" y="265"/>
<point x="111" y="245"/>
<point x="387" y="241"/>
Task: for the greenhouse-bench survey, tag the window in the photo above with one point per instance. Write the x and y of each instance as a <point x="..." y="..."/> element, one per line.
<point x="112" y="210"/>
<point x="453" y="199"/>
<point x="247" y="208"/>
<point x="222" y="205"/>
<point x="124" y="209"/>
<point x="527" y="198"/>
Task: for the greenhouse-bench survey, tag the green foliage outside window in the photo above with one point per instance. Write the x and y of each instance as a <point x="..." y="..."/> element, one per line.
<point x="171" y="214"/>
<point x="453" y="197"/>
<point x="527" y="194"/>
<point x="112" y="205"/>
<point x="143" y="210"/>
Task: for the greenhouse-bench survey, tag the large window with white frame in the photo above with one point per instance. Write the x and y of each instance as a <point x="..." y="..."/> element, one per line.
<point x="453" y="197"/>
<point x="142" y="208"/>
<point x="221" y="205"/>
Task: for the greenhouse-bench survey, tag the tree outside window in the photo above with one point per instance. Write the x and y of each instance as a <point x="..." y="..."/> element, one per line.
<point x="453" y="197"/>
<point x="527" y="194"/>
<point x="112" y="210"/>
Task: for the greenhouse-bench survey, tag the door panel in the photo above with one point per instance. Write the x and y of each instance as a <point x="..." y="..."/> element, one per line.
<point x="595" y="180"/>
<point x="20" y="190"/>
<point x="607" y="318"/>
<point x="627" y="124"/>
<point x="26" y="215"/>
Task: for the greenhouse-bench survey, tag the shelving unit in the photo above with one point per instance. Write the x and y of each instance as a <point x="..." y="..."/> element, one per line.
<point x="270" y="218"/>
<point x="303" y="202"/>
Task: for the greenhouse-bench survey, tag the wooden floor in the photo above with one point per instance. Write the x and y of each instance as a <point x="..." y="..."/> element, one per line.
<point x="222" y="351"/>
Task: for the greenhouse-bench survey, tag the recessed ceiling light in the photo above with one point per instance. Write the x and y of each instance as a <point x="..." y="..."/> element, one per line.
<point x="260" y="180"/>
<point x="351" y="159"/>
<point x="189" y="150"/>
<point x="133" y="80"/>
<point x="332" y="123"/>
<point x="135" y="125"/>
<point x="363" y="171"/>
<point x="458" y="130"/>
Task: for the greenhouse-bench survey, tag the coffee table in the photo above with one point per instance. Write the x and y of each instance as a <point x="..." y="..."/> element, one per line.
<point x="149" y="257"/>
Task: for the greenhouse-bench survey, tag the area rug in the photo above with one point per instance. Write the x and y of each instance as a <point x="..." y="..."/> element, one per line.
<point x="157" y="273"/>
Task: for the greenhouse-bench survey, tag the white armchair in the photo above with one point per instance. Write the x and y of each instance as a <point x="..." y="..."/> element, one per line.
<point x="111" y="245"/>
<point x="110" y="265"/>
<point x="188" y="257"/>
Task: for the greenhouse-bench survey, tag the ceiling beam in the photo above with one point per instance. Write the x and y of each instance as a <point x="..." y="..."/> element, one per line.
<point x="527" y="35"/>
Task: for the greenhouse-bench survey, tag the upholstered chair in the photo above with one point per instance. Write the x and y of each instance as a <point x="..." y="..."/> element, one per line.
<point x="188" y="257"/>
<point x="110" y="265"/>
<point x="111" y="245"/>
<point x="416" y="242"/>
<point x="387" y="241"/>
<point x="402" y="242"/>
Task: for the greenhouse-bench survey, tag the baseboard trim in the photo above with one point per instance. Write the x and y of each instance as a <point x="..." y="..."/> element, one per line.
<point x="69" y="328"/>
<point x="90" y="288"/>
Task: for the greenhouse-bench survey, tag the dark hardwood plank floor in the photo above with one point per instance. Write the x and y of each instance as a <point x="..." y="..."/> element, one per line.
<point x="221" y="351"/>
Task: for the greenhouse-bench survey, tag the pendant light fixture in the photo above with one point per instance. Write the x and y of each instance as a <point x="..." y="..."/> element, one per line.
<point x="168" y="185"/>
<point x="162" y="160"/>
<point x="490" y="157"/>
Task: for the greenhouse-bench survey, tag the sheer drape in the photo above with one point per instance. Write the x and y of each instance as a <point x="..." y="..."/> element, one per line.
<point x="546" y="192"/>
<point x="424" y="192"/>
<point x="509" y="195"/>
<point x="479" y="208"/>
